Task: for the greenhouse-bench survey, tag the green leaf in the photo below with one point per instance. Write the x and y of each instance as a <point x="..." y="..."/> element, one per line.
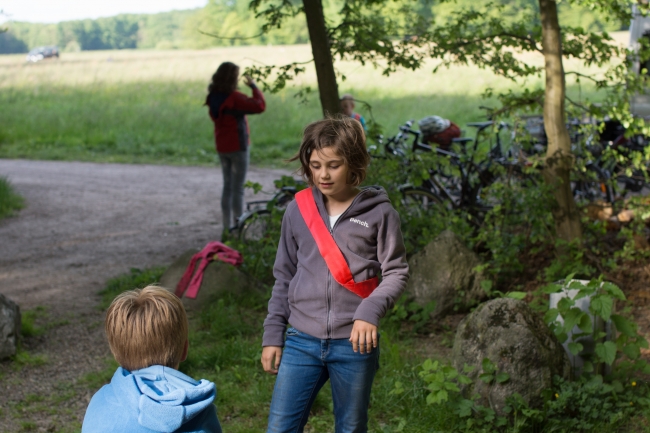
<point x="613" y="290"/>
<point x="516" y="295"/>
<point x="487" y="378"/>
<point x="564" y="305"/>
<point x="464" y="408"/>
<point x="552" y="288"/>
<point x="601" y="305"/>
<point x="486" y="285"/>
<point x="632" y="350"/>
<point x="502" y="377"/>
<point x="488" y="366"/>
<point x="575" y="348"/>
<point x="551" y="315"/>
<point x="572" y="318"/>
<point x="606" y="352"/>
<point x="623" y="325"/>
<point x="585" y="324"/>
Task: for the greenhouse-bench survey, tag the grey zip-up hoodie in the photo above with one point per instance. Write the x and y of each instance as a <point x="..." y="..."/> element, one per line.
<point x="306" y="295"/>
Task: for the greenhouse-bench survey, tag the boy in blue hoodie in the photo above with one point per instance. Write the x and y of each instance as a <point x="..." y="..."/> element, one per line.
<point x="147" y="332"/>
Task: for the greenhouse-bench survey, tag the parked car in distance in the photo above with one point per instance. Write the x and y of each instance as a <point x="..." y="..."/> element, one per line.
<point x="40" y="53"/>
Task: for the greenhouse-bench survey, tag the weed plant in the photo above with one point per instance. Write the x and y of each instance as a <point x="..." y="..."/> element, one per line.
<point x="10" y="201"/>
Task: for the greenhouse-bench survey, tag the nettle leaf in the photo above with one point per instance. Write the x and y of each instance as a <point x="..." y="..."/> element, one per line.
<point x="572" y="318"/>
<point x="613" y="290"/>
<point x="487" y="378"/>
<point x="502" y="377"/>
<point x="551" y="315"/>
<point x="623" y="325"/>
<point x="488" y="366"/>
<point x="632" y="350"/>
<point x="565" y="305"/>
<point x="464" y="408"/>
<point x="606" y="352"/>
<point x="464" y="380"/>
<point x="552" y="288"/>
<point x="516" y="295"/>
<point x="575" y="348"/>
<point x="562" y="336"/>
<point x="601" y="305"/>
<point x="585" y="324"/>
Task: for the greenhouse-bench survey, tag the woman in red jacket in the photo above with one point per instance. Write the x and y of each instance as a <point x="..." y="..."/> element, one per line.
<point x="228" y="109"/>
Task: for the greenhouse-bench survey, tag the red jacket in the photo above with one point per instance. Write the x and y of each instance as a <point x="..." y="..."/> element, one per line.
<point x="228" y="112"/>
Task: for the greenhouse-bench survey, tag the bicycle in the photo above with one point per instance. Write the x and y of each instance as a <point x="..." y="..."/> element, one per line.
<point x="253" y="224"/>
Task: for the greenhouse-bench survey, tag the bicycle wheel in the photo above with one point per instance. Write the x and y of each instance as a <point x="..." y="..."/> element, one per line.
<point x="593" y="186"/>
<point x="419" y="202"/>
<point x="254" y="226"/>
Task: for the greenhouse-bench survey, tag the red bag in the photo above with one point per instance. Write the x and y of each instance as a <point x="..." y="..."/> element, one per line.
<point x="333" y="256"/>
<point x="444" y="138"/>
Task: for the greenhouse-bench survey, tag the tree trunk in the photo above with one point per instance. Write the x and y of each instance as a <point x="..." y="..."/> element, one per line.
<point x="327" y="86"/>
<point x="559" y="159"/>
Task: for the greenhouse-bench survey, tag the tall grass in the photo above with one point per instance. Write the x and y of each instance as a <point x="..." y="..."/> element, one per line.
<point x="147" y="106"/>
<point x="10" y="201"/>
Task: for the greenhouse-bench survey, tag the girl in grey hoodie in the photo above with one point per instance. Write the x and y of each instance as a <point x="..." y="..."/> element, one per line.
<point x="338" y="242"/>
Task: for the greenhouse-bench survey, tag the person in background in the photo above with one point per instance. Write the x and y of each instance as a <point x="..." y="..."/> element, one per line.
<point x="347" y="107"/>
<point x="228" y="110"/>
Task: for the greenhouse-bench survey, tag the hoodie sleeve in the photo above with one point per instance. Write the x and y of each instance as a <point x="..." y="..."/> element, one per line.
<point x="286" y="264"/>
<point x="242" y="104"/>
<point x="394" y="269"/>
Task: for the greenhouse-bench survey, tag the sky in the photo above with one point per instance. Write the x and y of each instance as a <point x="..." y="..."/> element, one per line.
<point x="53" y="11"/>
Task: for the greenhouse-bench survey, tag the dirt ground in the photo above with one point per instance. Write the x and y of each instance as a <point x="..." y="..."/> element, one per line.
<point x="83" y="224"/>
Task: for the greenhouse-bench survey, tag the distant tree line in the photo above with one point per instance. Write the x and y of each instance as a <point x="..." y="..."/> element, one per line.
<point x="219" y="23"/>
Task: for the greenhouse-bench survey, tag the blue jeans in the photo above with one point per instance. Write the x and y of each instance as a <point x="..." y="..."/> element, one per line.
<point x="306" y="364"/>
<point x="234" y="166"/>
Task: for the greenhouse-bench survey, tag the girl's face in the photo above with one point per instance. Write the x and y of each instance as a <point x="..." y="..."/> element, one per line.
<point x="329" y="173"/>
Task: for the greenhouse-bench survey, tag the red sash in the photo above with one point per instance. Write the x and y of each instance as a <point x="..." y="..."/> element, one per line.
<point x="328" y="249"/>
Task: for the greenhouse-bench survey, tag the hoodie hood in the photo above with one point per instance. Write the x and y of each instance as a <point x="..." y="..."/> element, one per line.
<point x="163" y="398"/>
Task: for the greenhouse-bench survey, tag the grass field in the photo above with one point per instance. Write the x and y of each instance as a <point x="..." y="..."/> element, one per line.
<point x="147" y="106"/>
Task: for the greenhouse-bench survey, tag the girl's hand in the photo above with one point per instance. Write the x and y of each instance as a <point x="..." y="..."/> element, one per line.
<point x="269" y="355"/>
<point x="249" y="81"/>
<point x="363" y="336"/>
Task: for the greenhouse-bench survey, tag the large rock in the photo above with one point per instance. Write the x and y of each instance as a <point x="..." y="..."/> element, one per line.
<point x="444" y="272"/>
<point x="218" y="278"/>
<point x="9" y="327"/>
<point x="518" y="342"/>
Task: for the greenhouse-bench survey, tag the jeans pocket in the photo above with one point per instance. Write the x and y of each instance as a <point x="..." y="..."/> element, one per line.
<point x="292" y="332"/>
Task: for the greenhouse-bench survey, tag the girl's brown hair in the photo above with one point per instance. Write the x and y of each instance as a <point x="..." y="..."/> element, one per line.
<point x="342" y="133"/>
<point x="225" y="79"/>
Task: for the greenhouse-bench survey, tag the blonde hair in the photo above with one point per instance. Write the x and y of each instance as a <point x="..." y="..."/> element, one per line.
<point x="345" y="136"/>
<point x="147" y="327"/>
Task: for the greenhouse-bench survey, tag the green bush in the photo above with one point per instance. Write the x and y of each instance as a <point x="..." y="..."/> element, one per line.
<point x="10" y="201"/>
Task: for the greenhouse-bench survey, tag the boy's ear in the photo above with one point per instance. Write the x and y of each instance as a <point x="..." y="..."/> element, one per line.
<point x="185" y="350"/>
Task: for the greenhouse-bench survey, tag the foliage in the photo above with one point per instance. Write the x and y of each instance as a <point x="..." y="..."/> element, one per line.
<point x="590" y="403"/>
<point x="231" y="22"/>
<point x="602" y="299"/>
<point x="10" y="201"/>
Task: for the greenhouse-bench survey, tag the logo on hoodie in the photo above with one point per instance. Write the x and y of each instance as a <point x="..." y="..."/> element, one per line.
<point x="363" y="223"/>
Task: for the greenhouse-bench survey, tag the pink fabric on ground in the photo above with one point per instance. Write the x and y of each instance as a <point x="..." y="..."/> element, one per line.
<point x="191" y="281"/>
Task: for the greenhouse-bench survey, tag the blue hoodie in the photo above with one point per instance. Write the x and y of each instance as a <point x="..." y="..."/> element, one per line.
<point x="153" y="399"/>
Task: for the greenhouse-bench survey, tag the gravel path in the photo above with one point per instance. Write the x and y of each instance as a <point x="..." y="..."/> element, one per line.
<point x="83" y="224"/>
